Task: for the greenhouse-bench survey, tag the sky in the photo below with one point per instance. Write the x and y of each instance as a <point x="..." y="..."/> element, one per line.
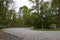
<point x="20" y="3"/>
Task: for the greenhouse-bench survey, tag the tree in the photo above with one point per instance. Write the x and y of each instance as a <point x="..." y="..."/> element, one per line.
<point x="25" y="11"/>
<point x="41" y="8"/>
<point x="36" y="7"/>
<point x="56" y="5"/>
<point x="3" y="11"/>
<point x="11" y="18"/>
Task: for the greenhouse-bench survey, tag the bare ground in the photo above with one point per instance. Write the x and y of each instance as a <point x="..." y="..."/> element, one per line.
<point x="6" y="36"/>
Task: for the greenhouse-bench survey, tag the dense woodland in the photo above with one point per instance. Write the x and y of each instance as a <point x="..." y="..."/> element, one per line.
<point x="41" y="15"/>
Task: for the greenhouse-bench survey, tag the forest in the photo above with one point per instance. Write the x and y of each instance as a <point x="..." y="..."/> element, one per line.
<point x="42" y="14"/>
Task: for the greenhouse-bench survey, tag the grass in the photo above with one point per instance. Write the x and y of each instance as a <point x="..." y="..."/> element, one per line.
<point x="1" y="30"/>
<point x="58" y="29"/>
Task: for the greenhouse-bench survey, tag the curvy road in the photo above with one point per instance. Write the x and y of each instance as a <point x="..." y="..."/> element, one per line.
<point x="28" y="34"/>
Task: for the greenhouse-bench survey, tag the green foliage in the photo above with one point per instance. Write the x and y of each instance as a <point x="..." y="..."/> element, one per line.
<point x="56" y="3"/>
<point x="3" y="12"/>
<point x="42" y="17"/>
<point x="45" y="17"/>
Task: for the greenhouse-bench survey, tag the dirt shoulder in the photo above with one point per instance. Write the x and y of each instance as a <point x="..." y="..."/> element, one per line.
<point x="6" y="36"/>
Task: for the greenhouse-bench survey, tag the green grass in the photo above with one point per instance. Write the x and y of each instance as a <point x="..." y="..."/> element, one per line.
<point x="1" y="30"/>
<point x="58" y="29"/>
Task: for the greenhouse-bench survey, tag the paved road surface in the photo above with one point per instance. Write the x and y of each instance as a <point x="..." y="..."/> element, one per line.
<point x="28" y="34"/>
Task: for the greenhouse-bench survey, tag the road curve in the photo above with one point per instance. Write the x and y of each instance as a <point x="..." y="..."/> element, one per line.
<point x="28" y="34"/>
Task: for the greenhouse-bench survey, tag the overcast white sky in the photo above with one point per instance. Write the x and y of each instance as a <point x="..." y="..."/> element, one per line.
<point x="20" y="3"/>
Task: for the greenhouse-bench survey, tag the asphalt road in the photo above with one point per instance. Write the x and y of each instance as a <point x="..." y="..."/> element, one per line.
<point x="28" y="34"/>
